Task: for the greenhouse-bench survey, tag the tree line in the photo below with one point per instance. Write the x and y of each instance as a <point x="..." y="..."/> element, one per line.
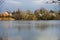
<point x="40" y="14"/>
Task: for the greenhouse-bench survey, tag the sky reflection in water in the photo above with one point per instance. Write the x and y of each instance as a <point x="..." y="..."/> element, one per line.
<point x="30" y="30"/>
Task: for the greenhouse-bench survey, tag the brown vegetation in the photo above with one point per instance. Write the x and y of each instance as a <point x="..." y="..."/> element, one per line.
<point x="40" y="14"/>
<point x="6" y="16"/>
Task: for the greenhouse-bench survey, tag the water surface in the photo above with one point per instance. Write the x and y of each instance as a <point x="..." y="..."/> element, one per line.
<point x="30" y="30"/>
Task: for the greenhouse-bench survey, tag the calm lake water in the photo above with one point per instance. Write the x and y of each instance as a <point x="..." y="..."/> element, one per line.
<point x="30" y="30"/>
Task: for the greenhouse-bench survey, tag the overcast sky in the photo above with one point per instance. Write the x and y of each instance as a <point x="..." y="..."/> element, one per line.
<point x="26" y="4"/>
<point x="22" y="2"/>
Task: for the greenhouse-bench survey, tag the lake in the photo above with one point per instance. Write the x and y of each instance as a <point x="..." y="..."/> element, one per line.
<point x="30" y="30"/>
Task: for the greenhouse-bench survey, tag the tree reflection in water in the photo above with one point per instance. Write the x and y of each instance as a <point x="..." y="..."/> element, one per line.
<point x="42" y="25"/>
